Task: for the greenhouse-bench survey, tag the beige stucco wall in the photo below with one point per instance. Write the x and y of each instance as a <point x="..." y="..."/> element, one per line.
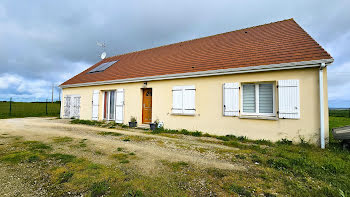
<point x="208" y="117"/>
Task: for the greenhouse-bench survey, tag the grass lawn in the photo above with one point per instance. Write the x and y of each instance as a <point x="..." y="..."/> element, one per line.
<point x="272" y="169"/>
<point x="23" y="109"/>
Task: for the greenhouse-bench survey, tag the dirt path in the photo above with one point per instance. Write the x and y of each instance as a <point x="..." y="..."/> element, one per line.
<point x="149" y="148"/>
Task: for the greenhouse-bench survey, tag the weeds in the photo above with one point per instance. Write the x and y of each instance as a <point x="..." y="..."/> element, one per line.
<point x="182" y="131"/>
<point x="99" y="188"/>
<point x="36" y="145"/>
<point x="63" y="158"/>
<point x="176" y="166"/>
<point x="239" y="190"/>
<point x="64" y="177"/>
<point x="62" y="140"/>
<point x="122" y="157"/>
<point x="284" y="141"/>
<point x="109" y="133"/>
<point x="33" y="158"/>
<point x="16" y="157"/>
<point x="264" y="142"/>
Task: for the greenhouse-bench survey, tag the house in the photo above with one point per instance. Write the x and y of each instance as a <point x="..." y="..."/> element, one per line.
<point x="264" y="82"/>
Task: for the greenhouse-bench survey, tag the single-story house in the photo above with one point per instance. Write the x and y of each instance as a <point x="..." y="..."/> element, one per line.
<point x="263" y="82"/>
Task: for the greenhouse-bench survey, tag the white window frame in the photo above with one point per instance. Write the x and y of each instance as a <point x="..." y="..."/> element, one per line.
<point x="257" y="113"/>
<point x="108" y="105"/>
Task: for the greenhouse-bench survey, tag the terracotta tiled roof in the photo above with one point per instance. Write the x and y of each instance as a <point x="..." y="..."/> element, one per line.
<point x="274" y="43"/>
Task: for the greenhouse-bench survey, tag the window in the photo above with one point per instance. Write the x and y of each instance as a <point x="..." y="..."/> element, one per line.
<point x="102" y="67"/>
<point x="109" y="105"/>
<point x="184" y="100"/>
<point x="258" y="99"/>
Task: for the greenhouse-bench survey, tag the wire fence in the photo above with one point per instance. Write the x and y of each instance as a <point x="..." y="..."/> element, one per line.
<point x="344" y="112"/>
<point x="12" y="109"/>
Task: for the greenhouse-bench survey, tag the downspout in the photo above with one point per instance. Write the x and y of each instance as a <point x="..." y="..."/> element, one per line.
<point x="322" y="132"/>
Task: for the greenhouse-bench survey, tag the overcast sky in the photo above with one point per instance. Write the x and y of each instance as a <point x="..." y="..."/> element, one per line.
<point x="47" y="42"/>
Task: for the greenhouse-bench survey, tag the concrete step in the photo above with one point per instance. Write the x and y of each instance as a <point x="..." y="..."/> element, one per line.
<point x="143" y="126"/>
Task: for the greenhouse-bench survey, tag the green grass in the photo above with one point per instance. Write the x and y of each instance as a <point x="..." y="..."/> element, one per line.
<point x="23" y="109"/>
<point x="65" y="173"/>
<point x="87" y="122"/>
<point x="109" y="133"/>
<point x="65" y="176"/>
<point x="99" y="188"/>
<point x="63" y="158"/>
<point x="281" y="168"/>
<point x="173" y="131"/>
<point x="62" y="140"/>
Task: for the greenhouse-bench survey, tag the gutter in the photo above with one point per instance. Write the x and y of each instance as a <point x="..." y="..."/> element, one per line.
<point x="249" y="69"/>
<point x="322" y="132"/>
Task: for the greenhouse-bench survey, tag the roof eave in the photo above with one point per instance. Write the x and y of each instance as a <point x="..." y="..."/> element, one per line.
<point x="261" y="68"/>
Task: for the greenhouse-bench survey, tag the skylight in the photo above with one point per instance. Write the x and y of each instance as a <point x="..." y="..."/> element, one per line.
<point x="102" y="67"/>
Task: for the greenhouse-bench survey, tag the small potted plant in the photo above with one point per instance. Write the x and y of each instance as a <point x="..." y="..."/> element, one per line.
<point x="133" y="122"/>
<point x="154" y="125"/>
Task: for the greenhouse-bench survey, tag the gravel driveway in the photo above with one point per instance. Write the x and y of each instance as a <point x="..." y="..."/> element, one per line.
<point x="204" y="152"/>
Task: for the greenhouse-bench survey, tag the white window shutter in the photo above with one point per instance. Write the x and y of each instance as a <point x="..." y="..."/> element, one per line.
<point x="119" y="106"/>
<point x="288" y="99"/>
<point x="177" y="100"/>
<point x="67" y="103"/>
<point x="189" y="100"/>
<point x="95" y="98"/>
<point x="76" y="107"/>
<point x="231" y="99"/>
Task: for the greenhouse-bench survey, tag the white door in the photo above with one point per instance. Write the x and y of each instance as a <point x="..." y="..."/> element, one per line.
<point x="119" y="107"/>
<point x="95" y="96"/>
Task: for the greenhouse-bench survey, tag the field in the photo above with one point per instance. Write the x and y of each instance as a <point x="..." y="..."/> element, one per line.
<point x="53" y="157"/>
<point x="339" y="112"/>
<point x="22" y="109"/>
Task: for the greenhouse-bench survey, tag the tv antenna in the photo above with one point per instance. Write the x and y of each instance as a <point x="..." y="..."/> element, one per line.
<point x="103" y="46"/>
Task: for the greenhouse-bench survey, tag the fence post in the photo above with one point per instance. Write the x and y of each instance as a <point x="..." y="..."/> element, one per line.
<point x="46" y="106"/>
<point x="10" y="105"/>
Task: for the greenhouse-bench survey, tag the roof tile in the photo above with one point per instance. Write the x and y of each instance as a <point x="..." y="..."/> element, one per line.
<point x="274" y="43"/>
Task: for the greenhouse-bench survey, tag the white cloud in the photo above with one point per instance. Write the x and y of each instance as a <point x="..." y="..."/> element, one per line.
<point x="44" y="42"/>
<point x="7" y="80"/>
<point x="13" y="85"/>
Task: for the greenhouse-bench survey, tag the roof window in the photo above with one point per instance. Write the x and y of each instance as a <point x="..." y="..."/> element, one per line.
<point x="102" y="67"/>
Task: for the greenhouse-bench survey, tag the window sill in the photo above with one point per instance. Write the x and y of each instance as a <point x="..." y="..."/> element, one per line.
<point x="259" y="117"/>
<point x="175" y="114"/>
